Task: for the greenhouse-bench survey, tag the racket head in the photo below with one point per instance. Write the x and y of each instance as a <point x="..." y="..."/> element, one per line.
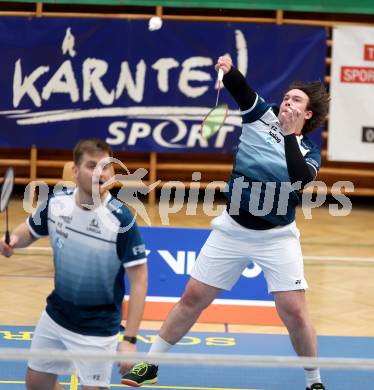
<point x="6" y="188"/>
<point x="214" y="120"/>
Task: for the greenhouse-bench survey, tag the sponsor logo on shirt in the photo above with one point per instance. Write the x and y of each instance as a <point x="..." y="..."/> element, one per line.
<point x="272" y="138"/>
<point x="61" y="233"/>
<point x="94" y="227"/>
<point x="138" y="249"/>
<point x="66" y="218"/>
<point x="59" y="243"/>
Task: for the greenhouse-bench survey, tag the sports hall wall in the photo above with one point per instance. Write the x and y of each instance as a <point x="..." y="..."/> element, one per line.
<point x="45" y="163"/>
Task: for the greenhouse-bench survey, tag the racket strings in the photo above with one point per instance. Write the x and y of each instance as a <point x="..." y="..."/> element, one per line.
<point x="214" y="121"/>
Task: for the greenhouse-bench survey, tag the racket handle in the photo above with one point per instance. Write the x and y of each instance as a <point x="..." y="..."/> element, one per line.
<point x="7" y="237"/>
<point x="220" y="74"/>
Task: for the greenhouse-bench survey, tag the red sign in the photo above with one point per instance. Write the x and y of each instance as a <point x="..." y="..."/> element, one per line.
<point x="357" y="74"/>
<point x="369" y="52"/>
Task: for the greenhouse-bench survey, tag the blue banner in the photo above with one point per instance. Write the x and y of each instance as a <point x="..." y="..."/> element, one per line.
<point x="171" y="255"/>
<point x="140" y="90"/>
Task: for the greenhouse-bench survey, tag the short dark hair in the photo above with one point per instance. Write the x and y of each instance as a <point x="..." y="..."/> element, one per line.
<point x="318" y="103"/>
<point x="90" y="146"/>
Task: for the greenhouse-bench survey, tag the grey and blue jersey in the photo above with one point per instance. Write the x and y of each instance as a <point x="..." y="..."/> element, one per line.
<point x="260" y="182"/>
<point x="91" y="249"/>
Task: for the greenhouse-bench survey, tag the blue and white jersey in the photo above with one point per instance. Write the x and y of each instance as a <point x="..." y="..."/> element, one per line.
<point x="261" y="162"/>
<point x="91" y="249"/>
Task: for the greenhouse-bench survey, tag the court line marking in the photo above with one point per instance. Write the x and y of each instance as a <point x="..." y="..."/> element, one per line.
<point x="238" y="302"/>
<point x="38" y="248"/>
<point x="25" y="276"/>
<point x="341" y="258"/>
<point x="337" y="258"/>
<point x="9" y="382"/>
<point x="341" y="244"/>
<point x="189" y="387"/>
<point x="74" y="382"/>
<point x="6" y="382"/>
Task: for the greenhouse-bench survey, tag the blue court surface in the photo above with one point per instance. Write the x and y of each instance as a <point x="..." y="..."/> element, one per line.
<point x="219" y="378"/>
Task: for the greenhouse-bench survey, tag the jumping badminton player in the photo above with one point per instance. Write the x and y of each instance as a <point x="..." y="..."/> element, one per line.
<point x="272" y="149"/>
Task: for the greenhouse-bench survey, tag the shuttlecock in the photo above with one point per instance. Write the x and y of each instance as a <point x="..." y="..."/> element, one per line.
<point x="155" y="23"/>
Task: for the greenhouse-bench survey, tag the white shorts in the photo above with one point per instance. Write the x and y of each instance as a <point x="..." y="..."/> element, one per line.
<point x="49" y="335"/>
<point x="230" y="247"/>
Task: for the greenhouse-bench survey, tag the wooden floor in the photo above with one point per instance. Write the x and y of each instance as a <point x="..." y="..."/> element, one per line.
<point x="339" y="265"/>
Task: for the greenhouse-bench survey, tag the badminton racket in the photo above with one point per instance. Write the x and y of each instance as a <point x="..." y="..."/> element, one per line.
<point x="216" y="117"/>
<point x="5" y="194"/>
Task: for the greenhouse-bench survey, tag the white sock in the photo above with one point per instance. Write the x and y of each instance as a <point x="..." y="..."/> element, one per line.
<point x="312" y="376"/>
<point x="160" y="345"/>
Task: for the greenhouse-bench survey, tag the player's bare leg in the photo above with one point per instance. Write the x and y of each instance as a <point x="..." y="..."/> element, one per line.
<point x="196" y="297"/>
<point x="41" y="381"/>
<point x="292" y="309"/>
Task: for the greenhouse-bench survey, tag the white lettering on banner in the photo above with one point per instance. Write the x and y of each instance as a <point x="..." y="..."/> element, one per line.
<point x="93" y="72"/>
<point x="188" y="74"/>
<point x="116" y="129"/>
<point x="139" y="130"/>
<point x="191" y="258"/>
<point x="242" y="50"/>
<point x="87" y="82"/>
<point x="63" y="81"/>
<point x="26" y="87"/>
<point x="121" y="132"/>
<point x="134" y="89"/>
<point x="352" y="74"/>
<point x="185" y="260"/>
<point x="176" y="264"/>
<point x="157" y="133"/>
<point x="162" y="66"/>
<point x="68" y="43"/>
<point x="252" y="272"/>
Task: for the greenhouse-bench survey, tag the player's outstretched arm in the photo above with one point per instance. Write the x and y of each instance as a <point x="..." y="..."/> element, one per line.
<point x="236" y="83"/>
<point x="19" y="238"/>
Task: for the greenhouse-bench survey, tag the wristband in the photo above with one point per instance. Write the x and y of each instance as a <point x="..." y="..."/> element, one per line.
<point x="130" y="339"/>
